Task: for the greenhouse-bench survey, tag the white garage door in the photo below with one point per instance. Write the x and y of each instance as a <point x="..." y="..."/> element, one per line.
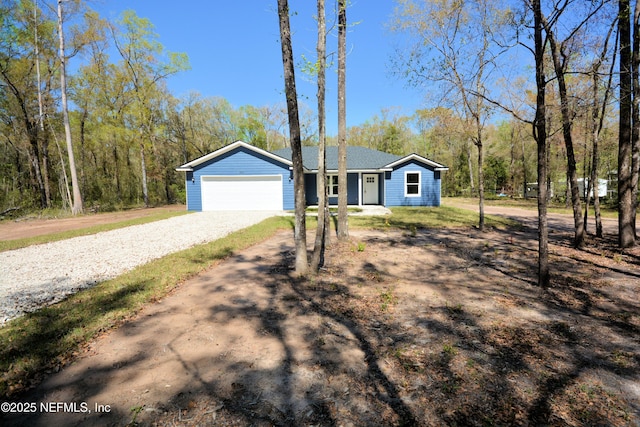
<point x="223" y="193"/>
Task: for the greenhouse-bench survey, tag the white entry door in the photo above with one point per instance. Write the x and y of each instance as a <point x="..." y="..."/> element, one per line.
<point x="370" y="190"/>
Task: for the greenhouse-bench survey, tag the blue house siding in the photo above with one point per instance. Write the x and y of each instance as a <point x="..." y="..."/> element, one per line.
<point x="352" y="189"/>
<point x="239" y="161"/>
<point x="242" y="159"/>
<point x="311" y="188"/>
<point x="429" y="186"/>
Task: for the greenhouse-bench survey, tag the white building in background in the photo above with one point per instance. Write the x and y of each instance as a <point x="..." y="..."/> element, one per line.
<point x="532" y="188"/>
<point x="583" y="183"/>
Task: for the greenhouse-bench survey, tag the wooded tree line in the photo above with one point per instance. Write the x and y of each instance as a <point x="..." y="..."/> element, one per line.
<point x="128" y="131"/>
<point x="475" y="68"/>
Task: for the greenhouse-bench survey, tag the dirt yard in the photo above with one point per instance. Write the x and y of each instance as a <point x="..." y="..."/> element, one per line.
<point x="31" y="226"/>
<point x="438" y="327"/>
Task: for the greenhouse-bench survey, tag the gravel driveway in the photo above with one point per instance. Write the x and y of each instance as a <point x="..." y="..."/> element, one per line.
<point x="44" y="274"/>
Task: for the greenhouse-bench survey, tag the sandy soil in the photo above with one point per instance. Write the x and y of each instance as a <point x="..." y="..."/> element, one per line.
<point x="439" y="327"/>
<point x="30" y="227"/>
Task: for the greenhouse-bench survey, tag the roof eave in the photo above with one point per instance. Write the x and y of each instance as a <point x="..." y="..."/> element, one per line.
<point x="188" y="167"/>
<point x="436" y="166"/>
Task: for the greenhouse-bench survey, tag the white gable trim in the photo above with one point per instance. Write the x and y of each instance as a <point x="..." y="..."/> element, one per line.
<point x="188" y="167"/>
<point x="436" y="166"/>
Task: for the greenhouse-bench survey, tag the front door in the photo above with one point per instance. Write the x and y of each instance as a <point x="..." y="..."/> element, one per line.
<point x="370" y="189"/>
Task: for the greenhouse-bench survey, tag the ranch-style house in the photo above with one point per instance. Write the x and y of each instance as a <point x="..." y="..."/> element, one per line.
<point x="241" y="176"/>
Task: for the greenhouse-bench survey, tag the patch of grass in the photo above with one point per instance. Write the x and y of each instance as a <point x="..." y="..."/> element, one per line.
<point x="592" y="404"/>
<point x="7" y="245"/>
<point x="449" y="349"/>
<point x="531" y="204"/>
<point x="455" y="309"/>
<point x="450" y="387"/>
<point x="44" y="340"/>
<point x="135" y="411"/>
<point x="415" y="218"/>
<point x="388" y="298"/>
<point x="623" y="359"/>
<point x="408" y="360"/>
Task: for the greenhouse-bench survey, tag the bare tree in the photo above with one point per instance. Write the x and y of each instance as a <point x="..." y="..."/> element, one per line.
<point x="456" y="47"/>
<point x="560" y="67"/>
<point x="626" y="236"/>
<point x="635" y="131"/>
<point x="561" y="52"/>
<point x="77" y="197"/>
<point x="343" y="222"/>
<point x="540" y="135"/>
<point x="300" y="231"/>
<point x="322" y="233"/>
<point x="45" y="149"/>
<point x="598" y="111"/>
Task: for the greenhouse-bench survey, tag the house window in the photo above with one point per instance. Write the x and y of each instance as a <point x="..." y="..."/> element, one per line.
<point x="412" y="184"/>
<point x="332" y="185"/>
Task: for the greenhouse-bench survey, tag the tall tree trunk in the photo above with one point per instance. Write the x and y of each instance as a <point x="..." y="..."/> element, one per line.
<point x="626" y="237"/>
<point x="478" y="144"/>
<point x="143" y="166"/>
<point x="540" y="133"/>
<point x="591" y="170"/>
<point x="512" y="161"/>
<point x="83" y="131"/>
<point x="598" y="123"/>
<point x="300" y="237"/>
<point x="470" y="162"/>
<point x="45" y="145"/>
<point x="45" y="169"/>
<point x="635" y="133"/>
<point x="116" y="167"/>
<point x="343" y="222"/>
<point x="572" y="174"/>
<point x="525" y="176"/>
<point x="34" y="154"/>
<point x="77" y="197"/>
<point x="63" y="167"/>
<point x="317" y="260"/>
<point x="480" y="185"/>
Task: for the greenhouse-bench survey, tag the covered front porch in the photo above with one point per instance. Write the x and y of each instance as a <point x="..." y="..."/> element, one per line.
<point x="364" y="188"/>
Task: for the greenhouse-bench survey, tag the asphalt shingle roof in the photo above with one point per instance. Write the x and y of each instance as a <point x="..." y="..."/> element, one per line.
<point x="358" y="158"/>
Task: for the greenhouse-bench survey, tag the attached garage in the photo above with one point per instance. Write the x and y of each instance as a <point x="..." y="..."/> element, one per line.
<point x="239" y="176"/>
<point x="241" y="192"/>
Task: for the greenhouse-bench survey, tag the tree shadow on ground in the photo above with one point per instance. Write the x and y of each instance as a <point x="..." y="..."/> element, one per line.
<point x="433" y="327"/>
<point x="442" y="361"/>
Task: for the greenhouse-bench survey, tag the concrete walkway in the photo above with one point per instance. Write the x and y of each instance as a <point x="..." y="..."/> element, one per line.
<point x="365" y="210"/>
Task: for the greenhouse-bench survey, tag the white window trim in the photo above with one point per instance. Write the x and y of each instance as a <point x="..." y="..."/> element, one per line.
<point x="419" y="184"/>
<point x="330" y="192"/>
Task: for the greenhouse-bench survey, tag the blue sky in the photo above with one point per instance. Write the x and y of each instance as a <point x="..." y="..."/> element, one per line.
<point x="234" y="52"/>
